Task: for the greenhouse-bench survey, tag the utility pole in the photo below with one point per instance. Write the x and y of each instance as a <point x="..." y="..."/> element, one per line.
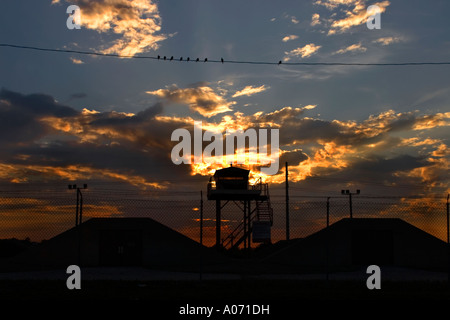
<point x="287" y="203"/>
<point x="347" y="192"/>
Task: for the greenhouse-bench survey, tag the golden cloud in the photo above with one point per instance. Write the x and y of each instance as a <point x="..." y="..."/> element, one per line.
<point x="353" y="17"/>
<point x="137" y="22"/>
<point x="303" y="52"/>
<point x="250" y="90"/>
<point x="289" y="38"/>
<point x="71" y="173"/>
<point x="357" y="16"/>
<point x="76" y="61"/>
<point x="315" y="19"/>
<point x="333" y="4"/>
<point x="201" y="99"/>
<point x="416" y="142"/>
<point x="357" y="47"/>
<point x="433" y="121"/>
<point x="387" y="40"/>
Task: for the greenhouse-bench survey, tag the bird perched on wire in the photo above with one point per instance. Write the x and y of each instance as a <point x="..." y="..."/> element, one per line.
<point x="206" y="59"/>
<point x="159" y="57"/>
<point x="188" y="59"/>
<point x="171" y="58"/>
<point x="279" y="62"/>
<point x="221" y="59"/>
<point x="197" y="60"/>
<point x="164" y="57"/>
<point x="181" y="58"/>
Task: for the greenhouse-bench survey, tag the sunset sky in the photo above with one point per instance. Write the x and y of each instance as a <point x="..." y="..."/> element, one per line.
<point x="74" y="118"/>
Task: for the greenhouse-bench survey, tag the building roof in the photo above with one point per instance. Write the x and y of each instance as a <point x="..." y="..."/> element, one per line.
<point x="231" y="171"/>
<point x="352" y="241"/>
<point x="157" y="245"/>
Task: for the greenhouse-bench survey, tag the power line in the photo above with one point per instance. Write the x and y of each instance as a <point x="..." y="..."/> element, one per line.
<point x="181" y="59"/>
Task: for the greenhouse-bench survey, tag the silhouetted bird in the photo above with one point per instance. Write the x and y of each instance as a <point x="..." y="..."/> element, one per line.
<point x="197" y="60"/>
<point x="171" y="58"/>
<point x="221" y="59"/>
<point x="181" y="58"/>
<point x="206" y="59"/>
<point x="159" y="57"/>
<point x="188" y="59"/>
<point x="164" y="57"/>
<point x="279" y="62"/>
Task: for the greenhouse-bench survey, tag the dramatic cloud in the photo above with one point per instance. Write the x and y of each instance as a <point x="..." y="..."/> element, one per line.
<point x="357" y="47"/>
<point x="201" y="99"/>
<point x="137" y="22"/>
<point x="303" y="52"/>
<point x="20" y="116"/>
<point x="250" y="90"/>
<point x="44" y="140"/>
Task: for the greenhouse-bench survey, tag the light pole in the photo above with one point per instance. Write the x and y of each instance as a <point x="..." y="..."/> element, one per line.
<point x="79" y="207"/>
<point x="347" y="192"/>
<point x="78" y="217"/>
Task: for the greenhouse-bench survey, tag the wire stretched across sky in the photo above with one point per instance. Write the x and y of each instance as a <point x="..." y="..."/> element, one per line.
<point x="188" y="59"/>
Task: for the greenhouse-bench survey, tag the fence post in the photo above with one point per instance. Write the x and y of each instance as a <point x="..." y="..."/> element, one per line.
<point x="328" y="239"/>
<point x="287" y="203"/>
<point x="448" y="242"/>
<point x="201" y="235"/>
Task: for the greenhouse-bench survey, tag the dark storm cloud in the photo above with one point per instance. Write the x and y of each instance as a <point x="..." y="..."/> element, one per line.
<point x="306" y="130"/>
<point x="20" y="114"/>
<point x="38" y="133"/>
<point x="116" y="118"/>
<point x="293" y="157"/>
<point x="36" y="104"/>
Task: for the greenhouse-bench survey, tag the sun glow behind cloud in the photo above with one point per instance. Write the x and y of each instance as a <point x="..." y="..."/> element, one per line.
<point x="118" y="146"/>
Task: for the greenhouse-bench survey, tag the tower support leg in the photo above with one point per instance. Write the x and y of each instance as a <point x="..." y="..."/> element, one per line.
<point x="218" y="223"/>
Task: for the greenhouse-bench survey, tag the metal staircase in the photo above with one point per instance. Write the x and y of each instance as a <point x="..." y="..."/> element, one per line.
<point x="263" y="212"/>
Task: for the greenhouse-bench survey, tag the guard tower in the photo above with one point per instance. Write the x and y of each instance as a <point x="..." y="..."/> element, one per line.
<point x="232" y="184"/>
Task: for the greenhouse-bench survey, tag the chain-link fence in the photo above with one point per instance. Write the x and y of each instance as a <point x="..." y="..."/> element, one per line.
<point x="41" y="215"/>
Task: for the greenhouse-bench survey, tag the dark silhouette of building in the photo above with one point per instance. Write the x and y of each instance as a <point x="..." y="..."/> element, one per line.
<point x="118" y="242"/>
<point x="355" y="242"/>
